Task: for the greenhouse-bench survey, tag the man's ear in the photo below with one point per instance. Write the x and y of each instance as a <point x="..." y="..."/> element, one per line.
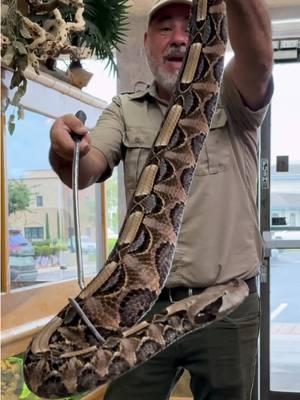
<point x="145" y="38"/>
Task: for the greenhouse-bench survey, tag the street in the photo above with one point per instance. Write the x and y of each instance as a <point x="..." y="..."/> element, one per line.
<point x="285" y="322"/>
<point x="56" y="274"/>
<point x="284" y="288"/>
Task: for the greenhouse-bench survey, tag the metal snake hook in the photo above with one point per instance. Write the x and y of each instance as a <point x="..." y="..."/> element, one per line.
<point x="75" y="174"/>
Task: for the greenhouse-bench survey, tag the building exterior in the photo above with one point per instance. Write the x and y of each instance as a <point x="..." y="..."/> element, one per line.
<point x="50" y="214"/>
<point x="285" y="195"/>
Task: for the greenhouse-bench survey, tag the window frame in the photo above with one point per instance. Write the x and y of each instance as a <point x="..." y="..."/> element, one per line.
<point x="39" y="201"/>
<point x="24" y="311"/>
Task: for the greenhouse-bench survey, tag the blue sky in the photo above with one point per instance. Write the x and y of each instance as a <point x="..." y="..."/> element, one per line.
<point x="29" y="144"/>
<point x="27" y="148"/>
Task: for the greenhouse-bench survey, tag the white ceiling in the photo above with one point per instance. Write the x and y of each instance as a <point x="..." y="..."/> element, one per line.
<point x="285" y="15"/>
<point x="140" y="7"/>
<point x="283" y="3"/>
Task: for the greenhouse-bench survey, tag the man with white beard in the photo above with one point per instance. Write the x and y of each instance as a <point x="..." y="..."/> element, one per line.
<point x="219" y="238"/>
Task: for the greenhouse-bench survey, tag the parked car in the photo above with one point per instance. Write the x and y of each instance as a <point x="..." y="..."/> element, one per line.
<point x="21" y="258"/>
<point x="87" y="245"/>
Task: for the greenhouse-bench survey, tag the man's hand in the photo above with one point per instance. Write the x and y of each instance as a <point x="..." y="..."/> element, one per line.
<point x="92" y="162"/>
<point x="62" y="143"/>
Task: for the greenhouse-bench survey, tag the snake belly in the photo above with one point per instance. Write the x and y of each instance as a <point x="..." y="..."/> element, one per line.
<point x="97" y="337"/>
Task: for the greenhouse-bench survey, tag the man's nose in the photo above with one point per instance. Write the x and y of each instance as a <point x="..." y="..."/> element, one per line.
<point x="179" y="37"/>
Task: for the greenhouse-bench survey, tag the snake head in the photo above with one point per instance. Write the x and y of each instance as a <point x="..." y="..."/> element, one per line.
<point x="234" y="294"/>
<point x="217" y="301"/>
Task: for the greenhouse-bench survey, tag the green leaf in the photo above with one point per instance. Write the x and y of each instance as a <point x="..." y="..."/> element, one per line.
<point x="20" y="47"/>
<point x="20" y="112"/>
<point x="25" y="392"/>
<point x="25" y="33"/>
<point x="16" y="99"/>
<point x="106" y="25"/>
<point x="9" y="55"/>
<point x="19" y="93"/>
<point x="11" y="127"/>
<point x="22" y="61"/>
<point x="16" y="79"/>
<point x="16" y="360"/>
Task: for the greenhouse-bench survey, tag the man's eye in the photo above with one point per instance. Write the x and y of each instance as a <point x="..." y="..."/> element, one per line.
<point x="165" y="29"/>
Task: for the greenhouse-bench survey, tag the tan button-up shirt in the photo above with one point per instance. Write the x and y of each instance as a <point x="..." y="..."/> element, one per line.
<point x="219" y="238"/>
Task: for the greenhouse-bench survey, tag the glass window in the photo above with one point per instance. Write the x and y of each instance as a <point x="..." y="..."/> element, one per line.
<point x="112" y="219"/>
<point x="41" y="227"/>
<point x="39" y="201"/>
<point x="285" y="205"/>
<point x="34" y="233"/>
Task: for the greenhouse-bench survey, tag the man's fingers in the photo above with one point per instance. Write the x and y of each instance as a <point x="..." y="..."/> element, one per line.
<point x="61" y="140"/>
<point x="74" y="124"/>
<point x="85" y="144"/>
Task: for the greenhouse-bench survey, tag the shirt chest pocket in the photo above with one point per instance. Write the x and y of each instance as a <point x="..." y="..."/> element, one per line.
<point x="215" y="155"/>
<point x="137" y="143"/>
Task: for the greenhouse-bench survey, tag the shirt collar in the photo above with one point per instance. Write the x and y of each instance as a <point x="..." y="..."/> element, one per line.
<point x="149" y="91"/>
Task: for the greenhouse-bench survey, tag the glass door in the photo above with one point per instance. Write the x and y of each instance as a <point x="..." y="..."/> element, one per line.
<point x="280" y="222"/>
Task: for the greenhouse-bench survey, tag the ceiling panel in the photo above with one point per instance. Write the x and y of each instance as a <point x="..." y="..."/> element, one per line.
<point x="146" y="4"/>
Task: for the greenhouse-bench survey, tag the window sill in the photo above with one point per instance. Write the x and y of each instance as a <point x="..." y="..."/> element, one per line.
<point x="26" y="310"/>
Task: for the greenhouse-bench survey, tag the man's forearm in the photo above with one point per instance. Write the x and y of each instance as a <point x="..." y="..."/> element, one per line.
<point x="250" y="35"/>
<point x="91" y="167"/>
<point x="250" y="31"/>
<point x="63" y="168"/>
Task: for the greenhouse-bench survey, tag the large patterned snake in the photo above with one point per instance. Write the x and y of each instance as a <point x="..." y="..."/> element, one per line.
<point x="97" y="337"/>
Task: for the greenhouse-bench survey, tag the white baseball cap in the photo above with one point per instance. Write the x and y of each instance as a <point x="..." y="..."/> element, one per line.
<point x="158" y="4"/>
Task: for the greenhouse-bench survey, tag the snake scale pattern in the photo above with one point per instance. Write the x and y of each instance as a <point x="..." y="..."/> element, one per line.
<point x="98" y="336"/>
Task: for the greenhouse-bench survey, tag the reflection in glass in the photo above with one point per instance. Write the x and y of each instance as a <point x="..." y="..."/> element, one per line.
<point x="112" y="198"/>
<point x="41" y="230"/>
<point x="285" y="227"/>
<point x="285" y="320"/>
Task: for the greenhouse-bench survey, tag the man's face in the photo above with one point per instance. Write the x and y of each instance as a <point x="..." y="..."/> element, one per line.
<point x="166" y="42"/>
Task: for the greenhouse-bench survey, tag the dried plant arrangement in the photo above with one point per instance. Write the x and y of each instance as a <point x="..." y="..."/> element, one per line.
<point x="41" y="31"/>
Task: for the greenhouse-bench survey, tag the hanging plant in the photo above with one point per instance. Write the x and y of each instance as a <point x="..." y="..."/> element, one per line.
<point x="78" y="28"/>
<point x="106" y="22"/>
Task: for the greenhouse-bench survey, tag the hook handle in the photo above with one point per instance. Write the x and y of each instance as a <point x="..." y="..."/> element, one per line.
<point x="75" y="174"/>
<point x="81" y="115"/>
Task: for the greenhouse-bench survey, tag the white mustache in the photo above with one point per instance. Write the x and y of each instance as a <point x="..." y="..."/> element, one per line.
<point x="175" y="53"/>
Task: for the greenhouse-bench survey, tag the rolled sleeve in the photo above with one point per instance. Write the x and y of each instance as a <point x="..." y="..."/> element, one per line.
<point x="237" y="110"/>
<point x="107" y="135"/>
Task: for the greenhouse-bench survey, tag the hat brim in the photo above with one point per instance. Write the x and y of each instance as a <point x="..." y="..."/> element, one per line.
<point x="165" y="3"/>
